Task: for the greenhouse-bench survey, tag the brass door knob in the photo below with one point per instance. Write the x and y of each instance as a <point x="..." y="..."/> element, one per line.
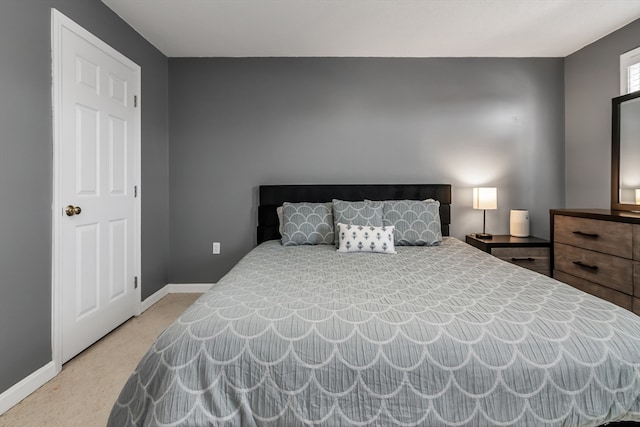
<point x="72" y="210"/>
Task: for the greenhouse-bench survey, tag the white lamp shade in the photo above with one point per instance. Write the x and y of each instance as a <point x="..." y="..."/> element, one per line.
<point x="637" y="196"/>
<point x="485" y="198"/>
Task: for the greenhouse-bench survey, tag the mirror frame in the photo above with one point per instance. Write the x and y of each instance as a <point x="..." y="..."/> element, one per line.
<point x="615" y="153"/>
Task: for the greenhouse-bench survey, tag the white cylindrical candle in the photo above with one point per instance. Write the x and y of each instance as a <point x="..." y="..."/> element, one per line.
<point x="519" y="223"/>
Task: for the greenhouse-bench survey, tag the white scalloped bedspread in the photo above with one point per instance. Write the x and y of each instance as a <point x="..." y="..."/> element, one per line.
<point x="435" y="336"/>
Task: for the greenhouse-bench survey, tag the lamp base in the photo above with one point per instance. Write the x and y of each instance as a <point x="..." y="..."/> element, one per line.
<point x="486" y="236"/>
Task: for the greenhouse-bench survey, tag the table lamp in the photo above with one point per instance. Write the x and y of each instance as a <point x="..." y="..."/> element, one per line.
<point x="485" y="198"/>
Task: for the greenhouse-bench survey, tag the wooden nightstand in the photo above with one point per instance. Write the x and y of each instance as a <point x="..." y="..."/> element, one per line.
<point x="528" y="252"/>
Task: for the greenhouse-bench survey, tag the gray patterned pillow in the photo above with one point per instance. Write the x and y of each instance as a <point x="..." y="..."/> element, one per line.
<point x="416" y="223"/>
<point x="363" y="238"/>
<point x="280" y="223"/>
<point x="356" y="213"/>
<point x="307" y="224"/>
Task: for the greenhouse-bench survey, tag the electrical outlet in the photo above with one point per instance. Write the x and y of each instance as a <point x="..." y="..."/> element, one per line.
<point x="216" y="248"/>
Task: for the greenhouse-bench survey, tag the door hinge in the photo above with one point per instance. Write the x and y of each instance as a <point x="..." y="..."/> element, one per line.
<point x="135" y="101"/>
<point x="135" y="191"/>
<point x="135" y="282"/>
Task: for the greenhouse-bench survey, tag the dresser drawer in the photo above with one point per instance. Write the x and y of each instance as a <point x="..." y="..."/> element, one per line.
<point x="596" y="267"/>
<point x="618" y="298"/>
<point x="536" y="259"/>
<point x="615" y="238"/>
<point x="636" y="241"/>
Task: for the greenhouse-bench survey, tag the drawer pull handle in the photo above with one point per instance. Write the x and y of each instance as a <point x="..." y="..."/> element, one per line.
<point x="522" y="259"/>
<point x="582" y="233"/>
<point x="583" y="265"/>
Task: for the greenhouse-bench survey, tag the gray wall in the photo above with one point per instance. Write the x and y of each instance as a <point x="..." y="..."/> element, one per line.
<point x="239" y="123"/>
<point x="26" y="170"/>
<point x="592" y="78"/>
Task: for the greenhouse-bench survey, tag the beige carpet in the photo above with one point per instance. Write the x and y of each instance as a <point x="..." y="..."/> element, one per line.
<point x="84" y="392"/>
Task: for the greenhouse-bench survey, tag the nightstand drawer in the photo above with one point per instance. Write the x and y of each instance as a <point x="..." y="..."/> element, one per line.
<point x="610" y="271"/>
<point x="608" y="237"/>
<point x="536" y="259"/>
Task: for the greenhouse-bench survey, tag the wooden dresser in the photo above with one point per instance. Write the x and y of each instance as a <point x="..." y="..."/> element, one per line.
<point x="598" y="251"/>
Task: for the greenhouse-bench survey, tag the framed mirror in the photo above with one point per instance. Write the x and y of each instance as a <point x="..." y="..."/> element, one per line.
<point x="625" y="153"/>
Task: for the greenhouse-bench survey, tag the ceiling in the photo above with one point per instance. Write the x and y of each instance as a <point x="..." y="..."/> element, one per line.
<point x="374" y="28"/>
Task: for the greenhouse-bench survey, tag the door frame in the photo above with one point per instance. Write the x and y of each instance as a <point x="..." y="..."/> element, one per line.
<point x="58" y="22"/>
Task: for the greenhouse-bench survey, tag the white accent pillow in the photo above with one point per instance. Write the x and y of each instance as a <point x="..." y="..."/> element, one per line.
<point x="365" y="238"/>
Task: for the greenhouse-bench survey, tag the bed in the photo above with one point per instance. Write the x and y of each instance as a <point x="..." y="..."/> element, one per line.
<point x="440" y="335"/>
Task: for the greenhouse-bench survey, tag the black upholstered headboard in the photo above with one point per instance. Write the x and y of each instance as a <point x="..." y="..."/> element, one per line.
<point x="272" y="196"/>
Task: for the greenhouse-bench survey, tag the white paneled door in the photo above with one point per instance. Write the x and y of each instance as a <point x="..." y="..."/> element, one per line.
<point x="97" y="170"/>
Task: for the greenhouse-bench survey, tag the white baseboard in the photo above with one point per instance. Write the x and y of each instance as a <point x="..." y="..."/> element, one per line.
<point x="154" y="298"/>
<point x="175" y="288"/>
<point x="189" y="288"/>
<point x="28" y="385"/>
